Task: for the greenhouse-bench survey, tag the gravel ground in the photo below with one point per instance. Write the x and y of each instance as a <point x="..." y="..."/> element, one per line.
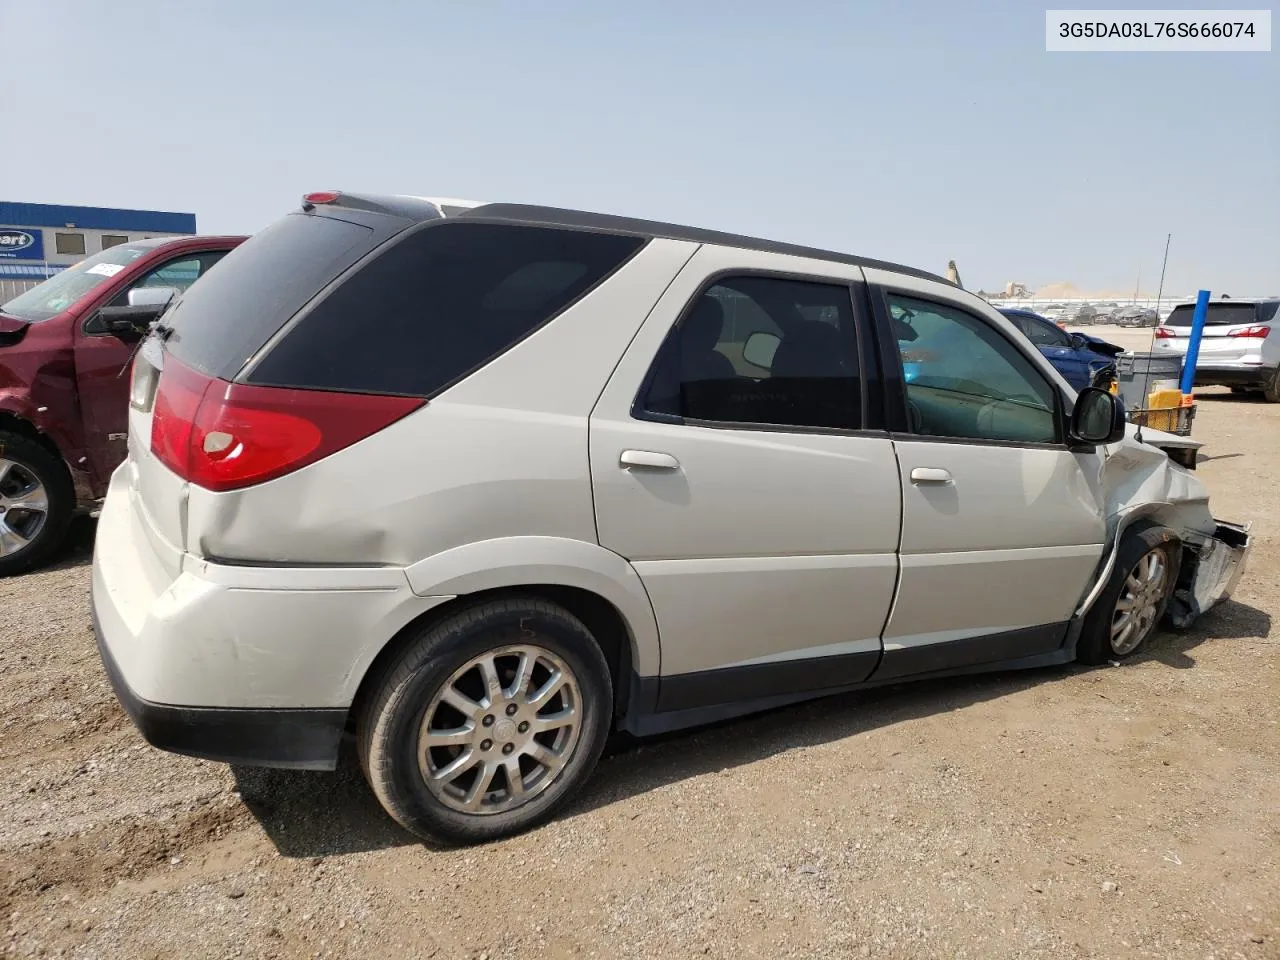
<point x="1128" y="812"/>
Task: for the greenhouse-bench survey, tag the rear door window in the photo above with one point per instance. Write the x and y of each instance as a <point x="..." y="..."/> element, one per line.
<point x="762" y="351"/>
<point x="438" y="304"/>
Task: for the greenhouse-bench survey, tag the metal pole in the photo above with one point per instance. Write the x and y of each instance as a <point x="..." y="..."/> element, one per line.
<point x="1193" y="345"/>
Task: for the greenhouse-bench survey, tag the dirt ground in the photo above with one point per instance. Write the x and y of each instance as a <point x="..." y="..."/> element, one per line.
<point x="1130" y="812"/>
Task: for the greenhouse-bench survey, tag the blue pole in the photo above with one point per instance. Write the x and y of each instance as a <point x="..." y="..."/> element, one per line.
<point x="1193" y="346"/>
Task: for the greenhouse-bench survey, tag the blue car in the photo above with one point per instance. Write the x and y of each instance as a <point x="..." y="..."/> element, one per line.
<point x="1082" y="360"/>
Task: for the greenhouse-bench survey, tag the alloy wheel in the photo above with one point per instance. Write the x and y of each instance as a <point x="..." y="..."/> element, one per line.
<point x="24" y="507"/>
<point x="500" y="730"/>
<point x="1139" y="602"/>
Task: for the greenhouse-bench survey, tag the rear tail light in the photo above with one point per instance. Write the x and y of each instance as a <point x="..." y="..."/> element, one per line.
<point x="1257" y="332"/>
<point x="225" y="436"/>
<point x="1164" y="333"/>
<point x="321" y="196"/>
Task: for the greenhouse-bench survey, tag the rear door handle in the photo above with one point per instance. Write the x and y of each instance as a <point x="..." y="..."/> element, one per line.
<point x="930" y="475"/>
<point x="648" y="458"/>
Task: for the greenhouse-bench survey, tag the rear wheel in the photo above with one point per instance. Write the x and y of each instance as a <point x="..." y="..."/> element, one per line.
<point x="488" y="722"/>
<point x="36" y="502"/>
<point x="1135" y="598"/>
<point x="1272" y="388"/>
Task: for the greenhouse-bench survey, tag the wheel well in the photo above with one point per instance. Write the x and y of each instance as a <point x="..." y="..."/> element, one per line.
<point x="14" y="424"/>
<point x="597" y="614"/>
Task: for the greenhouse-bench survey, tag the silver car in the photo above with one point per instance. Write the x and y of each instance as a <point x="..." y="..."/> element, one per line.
<point x="1240" y="347"/>
<point x="477" y="484"/>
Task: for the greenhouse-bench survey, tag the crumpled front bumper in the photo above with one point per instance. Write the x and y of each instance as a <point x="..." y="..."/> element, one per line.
<point x="1210" y="572"/>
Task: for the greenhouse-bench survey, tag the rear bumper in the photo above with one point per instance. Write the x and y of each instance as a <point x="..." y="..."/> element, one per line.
<point x="257" y="665"/>
<point x="297" y="739"/>
<point x="1233" y="375"/>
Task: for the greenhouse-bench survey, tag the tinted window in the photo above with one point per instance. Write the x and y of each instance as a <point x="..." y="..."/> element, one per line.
<point x="438" y="303"/>
<point x="113" y="240"/>
<point x="965" y="380"/>
<point x="1218" y="315"/>
<point x="219" y="323"/>
<point x="762" y="350"/>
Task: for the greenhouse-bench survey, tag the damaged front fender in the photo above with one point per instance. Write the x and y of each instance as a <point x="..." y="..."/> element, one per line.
<point x="1210" y="572"/>
<point x="1142" y="479"/>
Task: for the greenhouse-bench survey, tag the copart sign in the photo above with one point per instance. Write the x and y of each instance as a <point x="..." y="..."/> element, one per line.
<point x="19" y="244"/>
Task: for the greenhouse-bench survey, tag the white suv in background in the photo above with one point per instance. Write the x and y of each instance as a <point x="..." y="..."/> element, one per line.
<point x="1240" y="348"/>
<point x="478" y="485"/>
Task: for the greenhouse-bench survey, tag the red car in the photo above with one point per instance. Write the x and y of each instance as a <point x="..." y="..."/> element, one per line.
<point x="65" y="346"/>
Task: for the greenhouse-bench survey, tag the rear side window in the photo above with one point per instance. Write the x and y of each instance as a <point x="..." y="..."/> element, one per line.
<point x="439" y="303"/>
<point x="1218" y="315"/>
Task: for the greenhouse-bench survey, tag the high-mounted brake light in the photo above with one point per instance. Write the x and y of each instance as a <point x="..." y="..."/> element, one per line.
<point x="1164" y="333"/>
<point x="225" y="436"/>
<point x="321" y="196"/>
<point x="1257" y="332"/>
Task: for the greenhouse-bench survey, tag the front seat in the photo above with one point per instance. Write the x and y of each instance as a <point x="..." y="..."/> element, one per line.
<point x="810" y="365"/>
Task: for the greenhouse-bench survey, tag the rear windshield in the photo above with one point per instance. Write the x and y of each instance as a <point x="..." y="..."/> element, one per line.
<point x="438" y="303"/>
<point x="1219" y="315"/>
<point x="225" y="318"/>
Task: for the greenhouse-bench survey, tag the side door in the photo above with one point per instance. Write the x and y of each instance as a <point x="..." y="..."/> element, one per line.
<point x="101" y="359"/>
<point x="1002" y="524"/>
<point x="736" y="463"/>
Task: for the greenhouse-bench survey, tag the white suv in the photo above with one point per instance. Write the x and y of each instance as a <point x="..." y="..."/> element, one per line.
<point x="479" y="484"/>
<point x="1240" y="348"/>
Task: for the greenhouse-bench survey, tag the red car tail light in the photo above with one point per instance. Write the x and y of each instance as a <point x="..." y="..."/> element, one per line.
<point x="1164" y="333"/>
<point x="226" y="436"/>
<point x="1258" y="332"/>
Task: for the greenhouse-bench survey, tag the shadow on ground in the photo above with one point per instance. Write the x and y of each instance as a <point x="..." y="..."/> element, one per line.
<point x="77" y="547"/>
<point x="309" y="814"/>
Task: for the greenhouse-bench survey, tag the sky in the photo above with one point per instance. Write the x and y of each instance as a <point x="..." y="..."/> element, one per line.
<point x="918" y="132"/>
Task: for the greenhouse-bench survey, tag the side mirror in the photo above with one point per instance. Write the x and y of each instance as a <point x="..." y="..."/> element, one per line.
<point x="128" y="321"/>
<point x="145" y="306"/>
<point x="1098" y="417"/>
<point x="1078" y="341"/>
<point x="151" y="296"/>
<point x="760" y="348"/>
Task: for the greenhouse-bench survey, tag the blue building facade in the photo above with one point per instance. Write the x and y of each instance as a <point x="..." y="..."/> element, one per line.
<point x="39" y="239"/>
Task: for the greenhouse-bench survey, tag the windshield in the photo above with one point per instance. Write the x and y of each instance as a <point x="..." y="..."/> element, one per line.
<point x="63" y="289"/>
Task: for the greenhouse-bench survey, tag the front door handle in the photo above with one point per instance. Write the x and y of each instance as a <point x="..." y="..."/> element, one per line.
<point x="648" y="458"/>
<point x="930" y="475"/>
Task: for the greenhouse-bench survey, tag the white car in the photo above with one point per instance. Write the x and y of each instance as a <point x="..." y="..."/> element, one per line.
<point x="1240" y="347"/>
<point x="477" y="486"/>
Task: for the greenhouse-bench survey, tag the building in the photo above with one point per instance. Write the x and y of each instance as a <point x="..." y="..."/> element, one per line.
<point x="39" y="239"/>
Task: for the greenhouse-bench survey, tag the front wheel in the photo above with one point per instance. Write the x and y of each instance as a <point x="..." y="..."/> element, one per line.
<point x="488" y="722"/>
<point x="1129" y="608"/>
<point x="36" y="503"/>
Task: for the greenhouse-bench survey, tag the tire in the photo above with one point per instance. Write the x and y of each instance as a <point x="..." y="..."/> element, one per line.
<point x="1271" y="390"/>
<point x="36" y="503"/>
<point x="1097" y="643"/>
<point x="442" y="666"/>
